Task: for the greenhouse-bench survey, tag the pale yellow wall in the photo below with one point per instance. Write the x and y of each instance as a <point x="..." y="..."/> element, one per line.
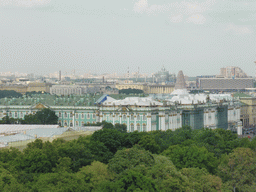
<point x="250" y="109"/>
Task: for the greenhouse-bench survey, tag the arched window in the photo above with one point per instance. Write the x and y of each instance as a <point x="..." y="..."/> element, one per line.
<point x="124" y="117"/>
<point x="65" y="115"/>
<point x="10" y="114"/>
<point x="138" y="117"/>
<point x="132" y="117"/>
<point x="59" y="114"/>
<point x="82" y="116"/>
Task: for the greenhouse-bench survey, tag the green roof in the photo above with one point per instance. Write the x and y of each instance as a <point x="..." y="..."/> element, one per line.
<point x="54" y="100"/>
<point x="241" y="95"/>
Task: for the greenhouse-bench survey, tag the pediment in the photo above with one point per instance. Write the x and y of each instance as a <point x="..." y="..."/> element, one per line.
<point x="39" y="106"/>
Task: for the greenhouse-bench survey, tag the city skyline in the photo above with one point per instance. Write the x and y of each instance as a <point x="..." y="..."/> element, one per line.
<point x="198" y="37"/>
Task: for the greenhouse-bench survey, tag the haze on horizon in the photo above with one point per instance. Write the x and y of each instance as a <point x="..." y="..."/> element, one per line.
<point x="198" y="37"/>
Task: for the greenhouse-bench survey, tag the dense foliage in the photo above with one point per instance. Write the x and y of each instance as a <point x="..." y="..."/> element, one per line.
<point x="113" y="160"/>
<point x="9" y="93"/>
<point x="45" y="116"/>
<point x="130" y="91"/>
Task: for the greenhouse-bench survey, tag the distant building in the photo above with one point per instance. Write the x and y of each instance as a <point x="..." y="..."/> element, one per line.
<point x="225" y="83"/>
<point x="147" y="88"/>
<point x="164" y="76"/>
<point x="232" y="72"/>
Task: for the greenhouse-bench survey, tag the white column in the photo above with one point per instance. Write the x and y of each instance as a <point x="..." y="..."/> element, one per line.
<point x="73" y="118"/>
<point x="162" y="121"/>
<point x="113" y="121"/>
<point x="128" y="123"/>
<point x="149" y="122"/>
<point x="120" y="118"/>
<point x="170" y="121"/>
<point x="101" y="115"/>
<point x="135" y="122"/>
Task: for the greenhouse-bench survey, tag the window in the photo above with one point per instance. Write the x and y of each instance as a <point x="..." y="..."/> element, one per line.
<point x="117" y="117"/>
<point x="82" y="116"/>
<point x="71" y="114"/>
<point x="132" y="117"/>
<point x="59" y="114"/>
<point x="132" y="127"/>
<point x="138" y="117"/>
<point x="21" y="115"/>
<point x="144" y="127"/>
<point x="77" y="123"/>
<point x="65" y="123"/>
<point x="94" y="116"/>
<point x="77" y="115"/>
<point x="10" y="114"/>
<point x="71" y="124"/>
<point x="65" y="115"/>
<point x="59" y="123"/>
<point x="88" y="115"/>
<point x="26" y="112"/>
<point x="16" y="114"/>
<point x="138" y="127"/>
<point x="82" y="123"/>
<point x="144" y="117"/>
<point x="124" y="117"/>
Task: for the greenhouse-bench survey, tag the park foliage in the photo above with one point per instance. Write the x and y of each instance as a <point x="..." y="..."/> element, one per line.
<point x="113" y="160"/>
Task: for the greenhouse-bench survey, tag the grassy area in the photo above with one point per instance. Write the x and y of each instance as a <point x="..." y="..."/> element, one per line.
<point x="67" y="136"/>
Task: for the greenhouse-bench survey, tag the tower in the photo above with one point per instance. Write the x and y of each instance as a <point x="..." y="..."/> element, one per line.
<point x="180" y="83"/>
<point x="255" y="69"/>
<point x="60" y="75"/>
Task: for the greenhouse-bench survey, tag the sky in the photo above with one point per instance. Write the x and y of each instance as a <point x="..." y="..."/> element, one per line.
<point x="99" y="36"/>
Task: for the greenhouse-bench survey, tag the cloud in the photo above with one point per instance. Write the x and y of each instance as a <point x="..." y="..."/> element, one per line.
<point x="141" y="6"/>
<point x="196" y="19"/>
<point x="176" y="18"/>
<point x="23" y="3"/>
<point x="184" y="7"/>
<point x="238" y="30"/>
<point x="178" y="10"/>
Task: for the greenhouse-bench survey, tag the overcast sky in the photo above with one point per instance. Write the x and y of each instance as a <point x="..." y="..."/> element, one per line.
<point x="198" y="37"/>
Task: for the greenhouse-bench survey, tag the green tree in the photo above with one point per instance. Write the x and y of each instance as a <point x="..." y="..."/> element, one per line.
<point x="95" y="174"/>
<point x="135" y="181"/>
<point x="192" y="156"/>
<point x="129" y="158"/>
<point x="9" y="93"/>
<point x="31" y="119"/>
<point x="8" y="182"/>
<point x="238" y="169"/>
<point x="148" y="142"/>
<point x="201" y="180"/>
<point x="166" y="176"/>
<point x="60" y="182"/>
<point x="46" y="116"/>
<point x="79" y="154"/>
<point x="112" y="139"/>
<point x="121" y="127"/>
